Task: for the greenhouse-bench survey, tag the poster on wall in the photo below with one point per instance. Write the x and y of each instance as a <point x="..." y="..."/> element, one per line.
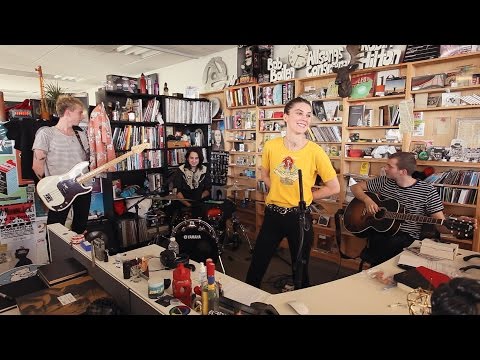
<point x="29" y="248"/>
<point x="10" y="191"/>
<point x="96" y="206"/>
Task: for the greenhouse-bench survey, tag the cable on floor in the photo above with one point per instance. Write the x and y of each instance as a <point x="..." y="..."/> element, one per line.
<point x="281" y="282"/>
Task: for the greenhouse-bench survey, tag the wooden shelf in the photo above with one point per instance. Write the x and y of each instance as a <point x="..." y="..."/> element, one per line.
<point x="240" y="107"/>
<point x="372" y="143"/>
<point x="447" y="108"/>
<point x="352" y="159"/>
<point x="459" y="205"/>
<point x="370" y="127"/>
<point x="346" y="165"/>
<point x="377" y="98"/>
<point x="445" y="89"/>
<point x="457" y="164"/>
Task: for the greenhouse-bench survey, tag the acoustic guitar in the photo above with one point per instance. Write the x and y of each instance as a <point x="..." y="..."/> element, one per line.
<point x="59" y="191"/>
<point x="389" y="217"/>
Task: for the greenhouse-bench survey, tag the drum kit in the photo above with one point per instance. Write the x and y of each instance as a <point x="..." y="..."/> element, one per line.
<point x="204" y="237"/>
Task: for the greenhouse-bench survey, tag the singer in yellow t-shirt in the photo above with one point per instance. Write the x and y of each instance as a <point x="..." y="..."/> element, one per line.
<point x="282" y="158"/>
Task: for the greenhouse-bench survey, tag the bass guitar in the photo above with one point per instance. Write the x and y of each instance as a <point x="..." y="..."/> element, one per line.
<point x="58" y="191"/>
<point x="389" y="217"/>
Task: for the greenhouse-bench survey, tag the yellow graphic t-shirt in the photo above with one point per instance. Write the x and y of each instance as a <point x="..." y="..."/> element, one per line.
<point x="283" y="165"/>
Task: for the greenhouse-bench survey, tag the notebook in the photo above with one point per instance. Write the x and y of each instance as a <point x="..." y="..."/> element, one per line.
<point x="422" y="277"/>
<point x="61" y="270"/>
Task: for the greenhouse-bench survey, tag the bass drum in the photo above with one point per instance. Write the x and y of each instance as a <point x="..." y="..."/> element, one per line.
<point x="196" y="238"/>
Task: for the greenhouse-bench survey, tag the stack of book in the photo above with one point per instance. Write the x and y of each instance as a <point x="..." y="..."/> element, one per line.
<point x="61" y="270"/>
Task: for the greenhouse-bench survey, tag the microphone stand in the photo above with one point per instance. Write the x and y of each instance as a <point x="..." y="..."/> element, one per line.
<point x="300" y="261"/>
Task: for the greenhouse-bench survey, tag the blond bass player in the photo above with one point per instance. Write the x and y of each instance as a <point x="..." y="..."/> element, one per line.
<point x="56" y="150"/>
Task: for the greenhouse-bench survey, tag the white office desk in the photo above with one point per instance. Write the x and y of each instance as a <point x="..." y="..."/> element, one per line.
<point x="123" y="289"/>
<point x="360" y="295"/>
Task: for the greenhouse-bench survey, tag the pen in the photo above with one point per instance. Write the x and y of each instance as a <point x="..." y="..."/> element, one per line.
<point x="6" y="297"/>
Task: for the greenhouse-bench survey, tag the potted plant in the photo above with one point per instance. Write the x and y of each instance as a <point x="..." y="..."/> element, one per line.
<point x="52" y="92"/>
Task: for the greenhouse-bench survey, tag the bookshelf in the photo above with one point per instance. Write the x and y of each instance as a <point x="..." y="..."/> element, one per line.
<point x="371" y="135"/>
<point x="374" y="135"/>
<point x="156" y="117"/>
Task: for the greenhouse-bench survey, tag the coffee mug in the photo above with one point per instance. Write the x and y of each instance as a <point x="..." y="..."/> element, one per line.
<point x="156" y="288"/>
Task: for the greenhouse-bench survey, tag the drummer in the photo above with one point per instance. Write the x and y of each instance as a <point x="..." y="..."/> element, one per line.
<point x="193" y="183"/>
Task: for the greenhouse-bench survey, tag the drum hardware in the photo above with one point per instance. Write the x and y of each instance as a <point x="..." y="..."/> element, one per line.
<point x="237" y="187"/>
<point x="169" y="197"/>
<point x="137" y="218"/>
<point x="238" y="228"/>
<point x="193" y="236"/>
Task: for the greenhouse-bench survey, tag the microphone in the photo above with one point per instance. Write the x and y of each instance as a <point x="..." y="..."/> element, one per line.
<point x="302" y="203"/>
<point x="300" y="182"/>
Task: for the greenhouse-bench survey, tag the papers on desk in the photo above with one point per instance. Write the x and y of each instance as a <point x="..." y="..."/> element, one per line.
<point x="243" y="293"/>
<point x="438" y="249"/>
<point x="409" y="258"/>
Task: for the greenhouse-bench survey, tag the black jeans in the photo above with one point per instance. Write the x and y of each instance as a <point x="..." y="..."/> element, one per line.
<point x="274" y="228"/>
<point x="81" y="206"/>
<point x="382" y="247"/>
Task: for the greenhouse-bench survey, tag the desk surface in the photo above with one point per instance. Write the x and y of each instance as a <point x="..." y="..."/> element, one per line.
<point x="359" y="294"/>
<point x="233" y="288"/>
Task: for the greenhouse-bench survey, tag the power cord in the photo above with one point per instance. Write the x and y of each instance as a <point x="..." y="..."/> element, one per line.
<point x="281" y="282"/>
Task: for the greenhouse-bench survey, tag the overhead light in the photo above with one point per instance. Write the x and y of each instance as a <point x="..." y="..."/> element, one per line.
<point x="137" y="50"/>
<point x="67" y="78"/>
<point x="123" y="48"/>
<point x="145" y="51"/>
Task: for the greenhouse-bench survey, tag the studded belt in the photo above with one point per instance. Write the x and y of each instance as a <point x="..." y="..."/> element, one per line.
<point x="284" y="211"/>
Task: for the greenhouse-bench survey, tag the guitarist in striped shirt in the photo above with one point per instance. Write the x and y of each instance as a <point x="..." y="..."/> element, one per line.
<point x="57" y="149"/>
<point x="416" y="196"/>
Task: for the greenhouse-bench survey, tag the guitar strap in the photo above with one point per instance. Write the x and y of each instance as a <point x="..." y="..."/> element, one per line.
<point x="80" y="141"/>
<point x="338" y="233"/>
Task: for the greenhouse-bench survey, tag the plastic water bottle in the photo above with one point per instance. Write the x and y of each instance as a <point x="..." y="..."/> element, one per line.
<point x="173" y="245"/>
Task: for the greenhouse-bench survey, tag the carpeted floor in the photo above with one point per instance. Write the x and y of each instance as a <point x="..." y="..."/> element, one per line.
<point x="236" y="263"/>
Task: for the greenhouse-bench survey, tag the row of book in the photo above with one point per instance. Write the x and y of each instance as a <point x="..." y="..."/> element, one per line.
<point x="325" y="110"/>
<point x="359" y="115"/>
<point x="176" y="157"/>
<point x="455" y="177"/>
<point x="325" y="133"/>
<point x="150" y="113"/>
<point x="278" y="94"/>
<point x="144" y="160"/>
<point x="181" y="111"/>
<point x="458" y="196"/>
<point x="124" y="138"/>
<point x="241" y="120"/>
<point x="240" y="97"/>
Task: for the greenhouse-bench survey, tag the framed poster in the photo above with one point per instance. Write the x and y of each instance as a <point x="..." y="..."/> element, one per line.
<point x="468" y="130"/>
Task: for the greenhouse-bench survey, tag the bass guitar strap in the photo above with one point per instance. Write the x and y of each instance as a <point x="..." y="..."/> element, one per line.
<point x="80" y="141"/>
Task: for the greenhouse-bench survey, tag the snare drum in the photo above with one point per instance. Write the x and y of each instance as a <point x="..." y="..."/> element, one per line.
<point x="196" y="238"/>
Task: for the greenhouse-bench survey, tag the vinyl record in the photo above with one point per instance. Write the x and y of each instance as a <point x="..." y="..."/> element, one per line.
<point x="215" y="106"/>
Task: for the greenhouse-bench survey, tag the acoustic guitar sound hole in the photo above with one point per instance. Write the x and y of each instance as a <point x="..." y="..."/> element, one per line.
<point x="380" y="214"/>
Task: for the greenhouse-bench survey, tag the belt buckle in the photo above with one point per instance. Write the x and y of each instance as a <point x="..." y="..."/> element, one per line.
<point x="283" y="211"/>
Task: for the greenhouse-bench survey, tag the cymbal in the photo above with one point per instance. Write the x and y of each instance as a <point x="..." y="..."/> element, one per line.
<point x="236" y="187"/>
<point x="168" y="197"/>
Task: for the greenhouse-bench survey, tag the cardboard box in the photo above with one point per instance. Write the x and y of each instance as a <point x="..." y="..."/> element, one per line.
<point x="122" y="83"/>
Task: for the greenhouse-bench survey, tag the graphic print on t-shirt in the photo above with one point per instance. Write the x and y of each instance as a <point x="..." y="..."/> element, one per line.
<point x="287" y="171"/>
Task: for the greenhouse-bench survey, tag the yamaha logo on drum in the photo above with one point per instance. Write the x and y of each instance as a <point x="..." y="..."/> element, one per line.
<point x="197" y="236"/>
